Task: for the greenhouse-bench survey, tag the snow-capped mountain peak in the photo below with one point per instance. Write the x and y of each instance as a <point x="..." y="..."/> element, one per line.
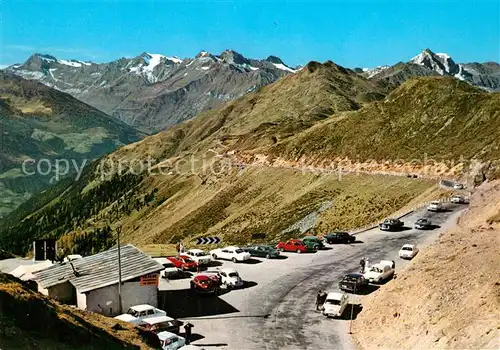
<point x="441" y="63"/>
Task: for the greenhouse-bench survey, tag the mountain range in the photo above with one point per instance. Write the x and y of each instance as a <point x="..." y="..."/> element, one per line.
<point x="153" y="91"/>
<point x="484" y="75"/>
<point x="260" y="163"/>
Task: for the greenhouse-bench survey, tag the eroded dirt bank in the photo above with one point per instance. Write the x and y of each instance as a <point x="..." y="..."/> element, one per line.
<point x="449" y="296"/>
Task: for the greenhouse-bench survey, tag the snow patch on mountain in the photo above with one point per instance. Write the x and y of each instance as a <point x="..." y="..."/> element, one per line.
<point x="374" y="71"/>
<point x="283" y="67"/>
<point x="70" y="63"/>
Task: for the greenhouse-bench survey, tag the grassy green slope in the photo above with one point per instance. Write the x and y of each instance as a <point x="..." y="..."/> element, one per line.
<point x="38" y="123"/>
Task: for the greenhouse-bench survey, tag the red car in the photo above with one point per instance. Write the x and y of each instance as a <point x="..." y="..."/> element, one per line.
<point x="183" y="262"/>
<point x="292" y="245"/>
<point x="208" y="283"/>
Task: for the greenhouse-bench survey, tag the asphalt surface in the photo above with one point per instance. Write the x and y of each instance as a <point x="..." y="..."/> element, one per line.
<point x="276" y="310"/>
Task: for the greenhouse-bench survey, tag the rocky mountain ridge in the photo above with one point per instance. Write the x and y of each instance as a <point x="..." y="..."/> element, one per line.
<point x="154" y="91"/>
<point x="484" y="75"/>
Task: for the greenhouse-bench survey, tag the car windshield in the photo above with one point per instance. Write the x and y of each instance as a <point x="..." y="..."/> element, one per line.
<point x="407" y="248"/>
<point x="238" y="251"/>
<point x="198" y="254"/>
<point x="332" y="302"/>
<point x="133" y="312"/>
<point x="350" y="279"/>
<point x="187" y="259"/>
<point x="376" y="269"/>
<point x="233" y="274"/>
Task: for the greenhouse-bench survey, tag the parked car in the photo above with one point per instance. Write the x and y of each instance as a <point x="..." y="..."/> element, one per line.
<point x="313" y="243"/>
<point x="458" y="186"/>
<point x="335" y="304"/>
<point x="292" y="245"/>
<point x="423" y="224"/>
<point x="205" y="283"/>
<point x="229" y="277"/>
<point x="408" y="251"/>
<point x="198" y="255"/>
<point x="379" y="272"/>
<point x="168" y="267"/>
<point x="171" y="341"/>
<point x="435" y="206"/>
<point x="162" y="323"/>
<point x="353" y="282"/>
<point x="459" y="199"/>
<point x="235" y="254"/>
<point x="339" y="237"/>
<point x="391" y="225"/>
<point x="262" y="251"/>
<point x="137" y="313"/>
<point x="183" y="262"/>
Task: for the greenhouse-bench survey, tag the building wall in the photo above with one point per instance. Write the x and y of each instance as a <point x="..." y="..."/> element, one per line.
<point x="81" y="300"/>
<point x="105" y="300"/>
<point x="64" y="292"/>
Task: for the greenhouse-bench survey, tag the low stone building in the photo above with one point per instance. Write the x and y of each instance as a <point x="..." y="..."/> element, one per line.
<point x="91" y="283"/>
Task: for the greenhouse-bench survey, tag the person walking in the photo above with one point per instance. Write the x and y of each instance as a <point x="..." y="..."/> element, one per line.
<point x="187" y="332"/>
<point x="319" y="299"/>
<point x="362" y="263"/>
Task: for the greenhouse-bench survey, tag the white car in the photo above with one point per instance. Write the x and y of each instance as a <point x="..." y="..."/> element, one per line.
<point x="459" y="199"/>
<point x="379" y="272"/>
<point x="235" y="254"/>
<point x="408" y="251"/>
<point x="136" y="314"/>
<point x="335" y="304"/>
<point x="199" y="256"/>
<point x="169" y="267"/>
<point x="458" y="186"/>
<point x="171" y="341"/>
<point x="229" y="277"/>
<point x="435" y="206"/>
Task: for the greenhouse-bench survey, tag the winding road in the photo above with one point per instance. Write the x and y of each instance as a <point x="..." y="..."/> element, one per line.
<point x="277" y="310"/>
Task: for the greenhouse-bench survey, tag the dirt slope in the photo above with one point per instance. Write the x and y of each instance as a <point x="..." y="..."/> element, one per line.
<point x="29" y="320"/>
<point x="449" y="295"/>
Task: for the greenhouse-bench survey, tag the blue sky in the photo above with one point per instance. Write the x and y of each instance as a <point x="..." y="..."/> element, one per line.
<point x="353" y="34"/>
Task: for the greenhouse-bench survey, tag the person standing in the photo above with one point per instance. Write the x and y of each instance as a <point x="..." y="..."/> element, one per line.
<point x="187" y="332"/>
<point x="362" y="263"/>
<point x="319" y="299"/>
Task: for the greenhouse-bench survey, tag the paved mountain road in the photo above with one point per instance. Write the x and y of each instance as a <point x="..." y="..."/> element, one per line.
<point x="279" y="312"/>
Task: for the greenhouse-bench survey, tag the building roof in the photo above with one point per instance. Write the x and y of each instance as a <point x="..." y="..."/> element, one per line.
<point x="99" y="270"/>
<point x="25" y="272"/>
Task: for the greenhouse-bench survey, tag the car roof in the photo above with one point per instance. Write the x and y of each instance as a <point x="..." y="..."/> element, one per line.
<point x="228" y="270"/>
<point x="294" y="240"/>
<point x="334" y="295"/>
<point x="354" y="275"/>
<point x="162" y="260"/>
<point x="196" y="250"/>
<point x="309" y="237"/>
<point x="142" y="307"/>
<point x="435" y="202"/>
<point x="157" y="319"/>
<point x="166" y="335"/>
<point x="231" y="247"/>
<point x="409" y="245"/>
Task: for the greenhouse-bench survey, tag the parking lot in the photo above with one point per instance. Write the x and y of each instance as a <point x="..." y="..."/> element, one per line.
<point x="276" y="307"/>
